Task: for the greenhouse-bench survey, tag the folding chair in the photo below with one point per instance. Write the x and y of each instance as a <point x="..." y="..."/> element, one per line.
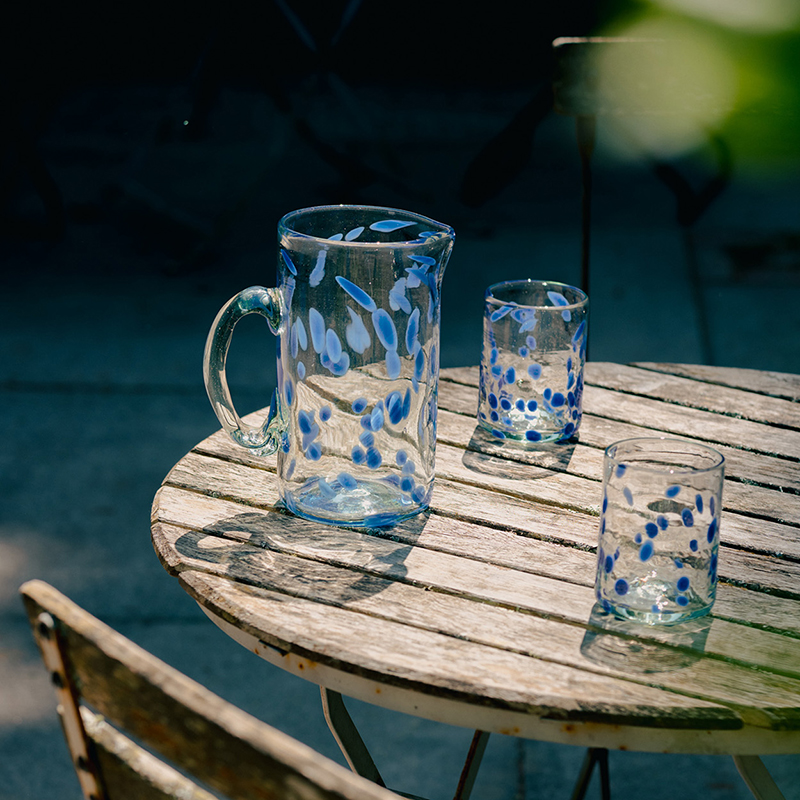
<point x="126" y="714"/>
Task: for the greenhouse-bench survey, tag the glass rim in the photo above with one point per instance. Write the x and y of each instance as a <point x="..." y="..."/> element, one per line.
<point x="583" y="298"/>
<point x="285" y="225"/>
<point x="719" y="459"/>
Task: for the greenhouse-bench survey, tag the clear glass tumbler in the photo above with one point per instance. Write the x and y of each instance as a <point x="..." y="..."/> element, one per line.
<point x="534" y="349"/>
<point x="659" y="529"/>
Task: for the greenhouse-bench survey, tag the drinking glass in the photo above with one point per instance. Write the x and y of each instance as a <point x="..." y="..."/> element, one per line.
<point x="531" y="370"/>
<point x="659" y="529"/>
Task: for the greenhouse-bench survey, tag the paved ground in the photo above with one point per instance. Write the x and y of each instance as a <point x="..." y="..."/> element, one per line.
<point x="102" y="334"/>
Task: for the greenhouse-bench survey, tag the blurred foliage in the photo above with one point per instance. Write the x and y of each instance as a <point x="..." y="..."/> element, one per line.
<point x="757" y="43"/>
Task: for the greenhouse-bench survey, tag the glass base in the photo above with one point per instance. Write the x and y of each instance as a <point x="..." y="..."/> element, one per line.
<point x="654" y="603"/>
<point x="658" y="618"/>
<point x="367" y="504"/>
<point x="524" y="438"/>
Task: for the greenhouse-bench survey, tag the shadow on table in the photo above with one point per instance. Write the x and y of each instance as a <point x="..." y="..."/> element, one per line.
<point x="288" y="554"/>
<point x="615" y="643"/>
<point x="502" y="458"/>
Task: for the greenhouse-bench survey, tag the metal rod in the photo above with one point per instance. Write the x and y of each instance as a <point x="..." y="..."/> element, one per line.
<point x="599" y="756"/>
<point x="757" y="778"/>
<point x="475" y="753"/>
<point x="585" y="128"/>
<point x="347" y="736"/>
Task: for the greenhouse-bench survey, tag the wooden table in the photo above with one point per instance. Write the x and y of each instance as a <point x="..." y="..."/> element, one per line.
<point x="481" y="614"/>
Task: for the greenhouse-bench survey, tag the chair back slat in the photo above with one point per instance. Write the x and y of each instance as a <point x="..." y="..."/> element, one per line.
<point x="130" y="771"/>
<point x="200" y="733"/>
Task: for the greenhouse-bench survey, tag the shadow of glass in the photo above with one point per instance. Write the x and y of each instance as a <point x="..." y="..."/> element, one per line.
<point x="284" y="553"/>
<point x="503" y="458"/>
<point x="615" y="643"/>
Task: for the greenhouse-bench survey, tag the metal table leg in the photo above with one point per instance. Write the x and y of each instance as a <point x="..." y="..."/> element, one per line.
<point x="347" y="736"/>
<point x="594" y="756"/>
<point x="360" y="761"/>
<point x="471" y="765"/>
<point x="757" y="778"/>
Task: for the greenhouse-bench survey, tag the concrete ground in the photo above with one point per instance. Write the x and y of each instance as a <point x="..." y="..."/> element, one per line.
<point x="103" y="330"/>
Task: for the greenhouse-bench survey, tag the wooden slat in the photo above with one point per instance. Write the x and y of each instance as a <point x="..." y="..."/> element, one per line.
<point x="457" y="400"/>
<point x="503" y="547"/>
<point x="541" y="578"/>
<point x="775" y="384"/>
<point x="516" y="512"/>
<point x="259" y="488"/>
<point x="433" y="616"/>
<point x="756" y="468"/>
<point x="663" y="416"/>
<point x="539" y="475"/>
<point x="551" y="476"/>
<point x="692" y="674"/>
<point x="744" y="498"/>
<point x="469" y="376"/>
<point x="416" y="564"/>
<point x="668" y="418"/>
<point x="391" y="652"/>
<point x="771" y="384"/>
<point x="193" y="728"/>
<point x="482" y="504"/>
<point x="511" y="631"/>
<point x="599" y="432"/>
<point x="130" y="771"/>
<point x="694" y="394"/>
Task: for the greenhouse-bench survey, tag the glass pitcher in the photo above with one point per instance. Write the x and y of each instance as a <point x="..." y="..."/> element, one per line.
<point x="356" y="313"/>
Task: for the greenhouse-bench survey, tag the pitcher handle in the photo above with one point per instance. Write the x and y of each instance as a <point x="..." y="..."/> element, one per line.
<point x="254" y="300"/>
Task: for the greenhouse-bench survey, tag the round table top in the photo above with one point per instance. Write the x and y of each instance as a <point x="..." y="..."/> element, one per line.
<point x="481" y="612"/>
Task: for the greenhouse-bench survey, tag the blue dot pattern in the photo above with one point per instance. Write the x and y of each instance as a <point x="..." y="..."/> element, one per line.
<point x="663" y="550"/>
<point x="288" y="261"/>
<point x="532" y="383"/>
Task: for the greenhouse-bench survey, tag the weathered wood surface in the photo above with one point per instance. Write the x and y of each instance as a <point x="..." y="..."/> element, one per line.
<point x="701" y="414"/>
<point x="129" y="770"/>
<point x="776" y="384"/>
<point x="203" y="474"/>
<point x="597" y="431"/>
<point x="183" y="723"/>
<point x="489" y="598"/>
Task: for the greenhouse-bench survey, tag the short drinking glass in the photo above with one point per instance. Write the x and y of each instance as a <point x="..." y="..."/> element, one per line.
<point x="534" y="348"/>
<point x="659" y="529"/>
